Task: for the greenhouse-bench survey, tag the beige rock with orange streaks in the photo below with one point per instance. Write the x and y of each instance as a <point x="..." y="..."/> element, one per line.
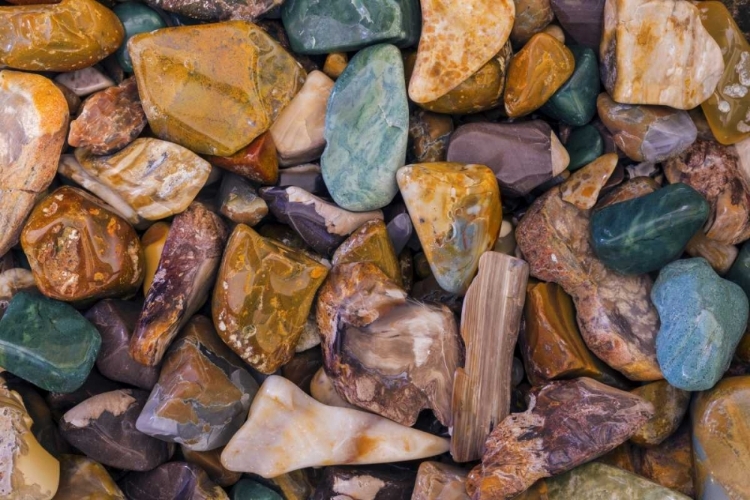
<point x="583" y="187"/>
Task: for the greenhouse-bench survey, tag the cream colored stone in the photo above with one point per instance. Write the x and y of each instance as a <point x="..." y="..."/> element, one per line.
<point x="322" y="389"/>
<point x="85" y="81"/>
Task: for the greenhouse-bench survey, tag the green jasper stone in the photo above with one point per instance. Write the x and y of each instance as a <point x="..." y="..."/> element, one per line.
<point x="320" y="27"/>
<point x="584" y="145"/>
<point x="135" y="18"/>
<point x="247" y="489"/>
<point x="740" y="271"/>
<point x="575" y="102"/>
<point x="644" y="234"/>
<point x="366" y="130"/>
<point x="47" y="343"/>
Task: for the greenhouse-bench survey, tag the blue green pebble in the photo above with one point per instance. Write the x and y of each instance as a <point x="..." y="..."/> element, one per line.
<point x="247" y="489"/>
<point x="584" y="145"/>
<point x="575" y="102"/>
<point x="135" y="18"/>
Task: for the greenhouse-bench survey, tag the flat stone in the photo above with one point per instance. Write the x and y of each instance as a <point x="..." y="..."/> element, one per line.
<point x="263" y="296"/>
<point x="257" y="162"/>
<point x="341" y="26"/>
<point x="247" y="489"/>
<point x="670" y="405"/>
<point x="135" y="18"/>
<point x="522" y="155"/>
<point x="384" y="482"/>
<point x="456" y="212"/>
<point x="203" y="393"/>
<point x="439" y="481"/>
<point x="720" y="255"/>
<point x="85" y="81"/>
<point x="103" y="428"/>
<point x="670" y="463"/>
<point x="646" y="233"/>
<point x="153" y="241"/>
<point x="582" y="188"/>
<point x="582" y="417"/>
<point x="639" y="32"/>
<point x="532" y="16"/>
<point x="173" y="480"/>
<point x="72" y="35"/>
<point x="217" y="10"/>
<point x="702" y="317"/>
<point x="429" y="134"/>
<point x="33" y="117"/>
<point x="457" y="40"/>
<point x="370" y="243"/>
<point x="186" y="272"/>
<point x="575" y="102"/>
<point x="213" y="108"/>
<point x="277" y="427"/>
<point x="240" y="202"/>
<point x="583" y="20"/>
<point x="83" y="478"/>
<point x="110" y="119"/>
<point x="366" y="130"/>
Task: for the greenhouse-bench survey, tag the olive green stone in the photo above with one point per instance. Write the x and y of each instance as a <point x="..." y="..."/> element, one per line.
<point x="575" y="102"/>
<point x="584" y="145"/>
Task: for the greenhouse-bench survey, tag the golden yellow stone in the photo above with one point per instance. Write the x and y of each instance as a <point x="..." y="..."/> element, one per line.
<point x="153" y="243"/>
<point x="84" y="479"/>
<point x="213" y="88"/>
<point x="70" y="35"/>
<point x="370" y="243"/>
<point x="263" y="295"/>
<point x="670" y="405"/>
<point x="541" y="67"/>
<point x="335" y="64"/>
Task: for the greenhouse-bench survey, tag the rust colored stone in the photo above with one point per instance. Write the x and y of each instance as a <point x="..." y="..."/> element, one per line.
<point x="256" y="162"/>
<point x="671" y="462"/>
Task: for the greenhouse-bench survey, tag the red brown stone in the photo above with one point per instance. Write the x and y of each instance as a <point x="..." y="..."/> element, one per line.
<point x="257" y="161"/>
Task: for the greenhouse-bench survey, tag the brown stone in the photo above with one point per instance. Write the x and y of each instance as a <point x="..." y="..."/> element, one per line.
<point x="370" y="243"/>
<point x="671" y="462"/>
<point x="532" y="16"/>
<point x="239" y="201"/>
<point x="256" y="162"/>
<point x="153" y="241"/>
<point x="429" y="134"/>
<point x="438" y="481"/>
<point x="335" y="64"/>
<point x="720" y="255"/>
<point x="210" y="461"/>
<point x="670" y="404"/>
<point x="633" y="188"/>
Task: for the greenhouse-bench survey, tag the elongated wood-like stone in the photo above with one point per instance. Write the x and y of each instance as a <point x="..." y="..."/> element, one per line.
<point x="438" y="481"/>
<point x="567" y="424"/>
<point x="378" y="482"/>
<point x="490" y="320"/>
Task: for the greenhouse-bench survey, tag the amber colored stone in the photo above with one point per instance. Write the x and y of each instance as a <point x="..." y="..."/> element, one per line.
<point x="539" y="69"/>
<point x="335" y="64"/>
<point x="670" y="463"/>
<point x="193" y="93"/>
<point x="70" y="35"/>
<point x="79" y="250"/>
<point x="84" y="479"/>
<point x="153" y="241"/>
<point x="263" y="295"/>
<point x="257" y="161"/>
<point x="429" y="134"/>
<point x="720" y="255"/>
<point x="370" y="243"/>
<point x="670" y="404"/>
<point x="210" y="461"/>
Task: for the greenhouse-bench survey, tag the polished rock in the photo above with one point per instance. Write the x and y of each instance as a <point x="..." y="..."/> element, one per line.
<point x="720" y="255"/>
<point x="584" y="145"/>
<point x="582" y="188"/>
<point x="247" y="489"/>
<point x="210" y="461"/>
<point x="196" y="11"/>
<point x="532" y="16"/>
<point x="670" y="405"/>
<point x="85" y="81"/>
<point x="370" y="243"/>
<point x="575" y="102"/>
<point x="239" y="201"/>
<point x="172" y="481"/>
<point x="257" y="162"/>
<point x="671" y="462"/>
<point x="85" y="479"/>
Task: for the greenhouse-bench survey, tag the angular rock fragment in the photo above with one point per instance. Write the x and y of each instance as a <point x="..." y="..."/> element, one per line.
<point x="582" y="188"/>
<point x="306" y="177"/>
<point x="438" y="481"/>
<point x="82" y="478"/>
<point x="173" y="480"/>
<point x="240" y="202"/>
<point x="257" y="162"/>
<point x="386" y="482"/>
<point x="370" y="243"/>
<point x="85" y="81"/>
<point x="670" y="405"/>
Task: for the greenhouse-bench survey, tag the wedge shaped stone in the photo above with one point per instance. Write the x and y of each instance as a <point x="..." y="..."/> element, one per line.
<point x="83" y="478"/>
<point x="370" y="243"/>
<point x="670" y="405"/>
<point x="582" y="188"/>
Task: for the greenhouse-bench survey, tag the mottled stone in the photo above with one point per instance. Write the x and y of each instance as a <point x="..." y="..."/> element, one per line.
<point x="670" y="463"/>
<point x="637" y="33"/>
<point x="456" y="212"/>
<point x="203" y="393"/>
<point x="263" y="296"/>
<point x="109" y="120"/>
<point x="438" y="481"/>
<point x="257" y="162"/>
<point x="536" y="73"/>
<point x="720" y="255"/>
<point x="490" y="321"/>
<point x="458" y="38"/>
<point x="429" y="134"/>
<point x="525" y="446"/>
<point x="335" y="64"/>
<point x="670" y="405"/>
<point x="583" y="20"/>
<point x="282" y="421"/>
<point x="532" y="16"/>
<point x="70" y="35"/>
<point x="103" y="428"/>
<point x="217" y="10"/>
<point x="702" y="317"/>
<point x="172" y="481"/>
<point x="647" y="133"/>
<point x="193" y="94"/>
<point x="153" y="241"/>
<point x="247" y="489"/>
<point x="210" y="461"/>
<point x="135" y="18"/>
<point x="382" y="352"/>
<point x="33" y="117"/>
<point x="582" y="188"/>
<point x="85" y="81"/>
<point x="187" y="267"/>
<point x="370" y="243"/>
<point x="522" y="155"/>
<point x="239" y="201"/>
<point x="85" y="479"/>
<point x="12" y="281"/>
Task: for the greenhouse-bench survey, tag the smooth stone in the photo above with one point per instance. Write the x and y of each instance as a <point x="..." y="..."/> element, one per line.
<point x="639" y="32"/>
<point x="581" y="416"/>
<point x="195" y="11"/>
<point x="103" y="428"/>
<point x="67" y="36"/>
<point x="60" y="402"/>
<point x="153" y="241"/>
<point x="47" y="343"/>
<point x="720" y="255"/>
<point x="400" y="231"/>
<point x="366" y="130"/>
<point x="535" y="73"/>
<point x="298" y="131"/>
<point x="582" y="188"/>
<point x="532" y="16"/>
<point x="385" y="482"/>
<point x="457" y="39"/>
<point x="85" y="81"/>
<point x="109" y="120"/>
<point x="719" y="174"/>
<point x="323" y="390"/>
<point x="34" y="118"/>
<point x="370" y="243"/>
<point x="247" y="489"/>
<point x="239" y="201"/>
<point x="186" y="272"/>
<point x="439" y="481"/>
<point x="405" y="353"/>
<point x="670" y="405"/>
<point x="84" y="479"/>
<point x="257" y="162"/>
<point x="277" y="427"/>
<point x="135" y="18"/>
<point x="702" y="317"/>
<point x="193" y="94"/>
<point x="203" y="393"/>
<point x="13" y="281"/>
<point x="306" y="177"/>
<point x="172" y="481"/>
<point x="644" y="234"/>
<point x="429" y="134"/>
<point x="583" y="20"/>
<point x="341" y="26"/>
<point x="720" y="451"/>
<point x="739" y="273"/>
<point x="210" y="461"/>
<point x="115" y="320"/>
<point x="27" y="471"/>
<point x="321" y="224"/>
<point x="335" y="64"/>
<point x="262" y="298"/>
<point x="647" y="133"/>
<point x="670" y="463"/>
<point x="575" y="102"/>
<point x="522" y="155"/>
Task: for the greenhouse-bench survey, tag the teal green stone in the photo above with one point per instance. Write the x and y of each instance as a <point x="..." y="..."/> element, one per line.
<point x="47" y="343"/>
<point x="247" y="489"/>
<point x="135" y="18"/>
<point x="366" y="130"/>
<point x="703" y="318"/>
<point x="644" y="234"/>
<point x="575" y="102"/>
<point x="324" y="26"/>
<point x="584" y="145"/>
<point x="740" y="271"/>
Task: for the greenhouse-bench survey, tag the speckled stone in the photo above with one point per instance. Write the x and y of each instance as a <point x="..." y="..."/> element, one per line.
<point x="670" y="405"/>
<point x="366" y="130"/>
<point x="575" y="102"/>
<point x="702" y="317"/>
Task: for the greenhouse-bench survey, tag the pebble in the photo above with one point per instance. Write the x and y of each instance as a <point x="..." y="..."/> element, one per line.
<point x="173" y="480"/>
<point x="85" y="81"/>
<point x="135" y="18"/>
<point x="670" y="406"/>
<point x="256" y="162"/>
<point x="239" y="201"/>
<point x="720" y="255"/>
<point x="210" y="461"/>
<point x="583" y="187"/>
<point x="670" y="463"/>
<point x="532" y="16"/>
<point x="83" y="478"/>
<point x="247" y="489"/>
<point x="575" y="102"/>
<point x="370" y="243"/>
<point x="335" y="64"/>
